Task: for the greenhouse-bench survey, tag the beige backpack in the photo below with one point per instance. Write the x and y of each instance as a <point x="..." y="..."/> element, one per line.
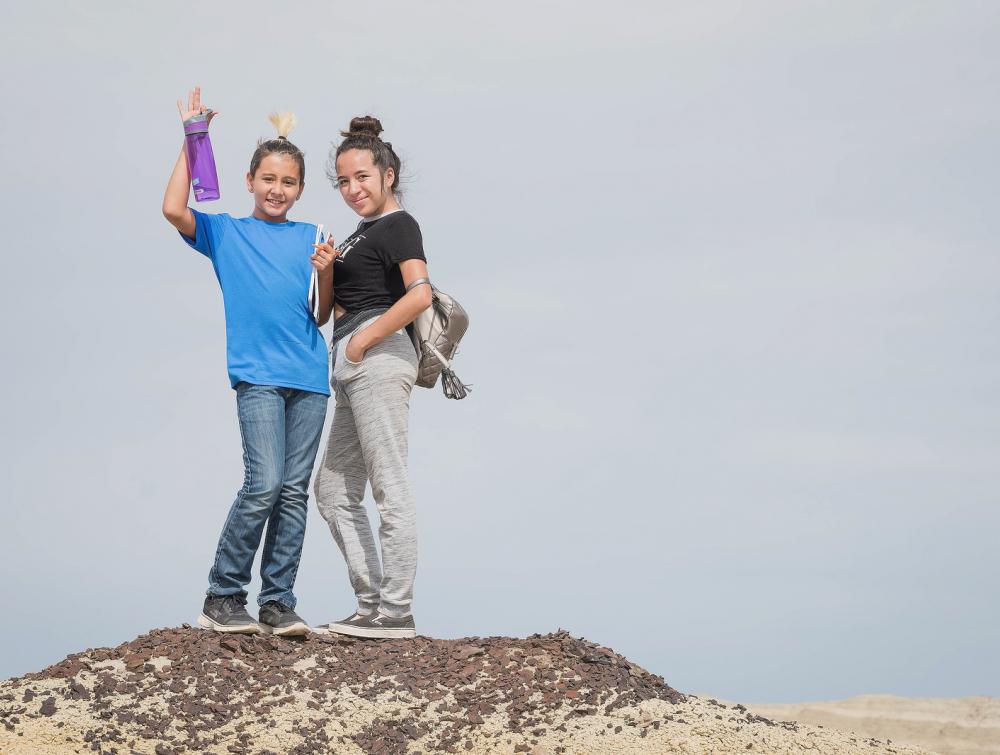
<point x="436" y="333"/>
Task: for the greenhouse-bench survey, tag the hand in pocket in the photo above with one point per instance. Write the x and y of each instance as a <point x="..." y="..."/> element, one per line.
<point x="354" y="352"/>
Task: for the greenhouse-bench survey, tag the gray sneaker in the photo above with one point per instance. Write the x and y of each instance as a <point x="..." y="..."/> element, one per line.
<point x="375" y="625"/>
<point x="227" y="613"/>
<point x="277" y="618"/>
<point x="353" y="620"/>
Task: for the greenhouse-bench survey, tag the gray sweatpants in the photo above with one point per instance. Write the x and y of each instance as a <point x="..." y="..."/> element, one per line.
<point x="368" y="442"/>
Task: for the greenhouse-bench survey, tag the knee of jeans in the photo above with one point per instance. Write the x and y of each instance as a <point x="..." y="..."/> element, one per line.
<point x="265" y="488"/>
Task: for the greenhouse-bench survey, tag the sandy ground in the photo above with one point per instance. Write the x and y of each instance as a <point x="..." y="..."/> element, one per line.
<point x="961" y="726"/>
<point x="696" y="726"/>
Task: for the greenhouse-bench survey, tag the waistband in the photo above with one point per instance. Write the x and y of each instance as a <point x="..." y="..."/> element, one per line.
<point x="349" y="321"/>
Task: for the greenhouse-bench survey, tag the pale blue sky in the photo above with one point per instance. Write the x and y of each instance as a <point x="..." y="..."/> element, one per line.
<point x="733" y="280"/>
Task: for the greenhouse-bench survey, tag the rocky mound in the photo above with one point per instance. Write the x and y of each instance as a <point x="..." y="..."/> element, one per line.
<point x="185" y="690"/>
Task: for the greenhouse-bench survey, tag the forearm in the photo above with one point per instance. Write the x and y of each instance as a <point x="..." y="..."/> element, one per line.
<point x="399" y="315"/>
<point x="325" y="298"/>
<point x="175" y="198"/>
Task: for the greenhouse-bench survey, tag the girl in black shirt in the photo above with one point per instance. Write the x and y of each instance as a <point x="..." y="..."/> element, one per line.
<point x="380" y="285"/>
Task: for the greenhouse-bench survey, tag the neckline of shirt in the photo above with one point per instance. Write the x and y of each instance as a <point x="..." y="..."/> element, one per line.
<point x="383" y="215"/>
<point x="271" y="223"/>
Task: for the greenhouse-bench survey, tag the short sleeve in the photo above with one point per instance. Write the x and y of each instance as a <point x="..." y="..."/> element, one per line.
<point x="208" y="232"/>
<point x="403" y="240"/>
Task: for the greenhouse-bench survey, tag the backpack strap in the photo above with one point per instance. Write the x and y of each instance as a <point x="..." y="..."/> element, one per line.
<point x="419" y="282"/>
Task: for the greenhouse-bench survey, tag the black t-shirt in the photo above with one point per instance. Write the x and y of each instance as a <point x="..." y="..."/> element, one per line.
<point x="366" y="274"/>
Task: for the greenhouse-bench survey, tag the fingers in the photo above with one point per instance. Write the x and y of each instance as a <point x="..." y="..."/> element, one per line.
<point x="180" y="108"/>
<point x="322" y="259"/>
<point x="197" y="99"/>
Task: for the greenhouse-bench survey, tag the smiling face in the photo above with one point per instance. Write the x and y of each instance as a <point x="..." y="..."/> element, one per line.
<point x="362" y="185"/>
<point x="275" y="186"/>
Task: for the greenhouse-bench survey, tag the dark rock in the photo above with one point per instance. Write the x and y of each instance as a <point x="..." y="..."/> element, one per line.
<point x="205" y="688"/>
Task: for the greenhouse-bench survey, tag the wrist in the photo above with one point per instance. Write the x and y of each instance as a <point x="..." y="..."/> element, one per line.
<point x="365" y="340"/>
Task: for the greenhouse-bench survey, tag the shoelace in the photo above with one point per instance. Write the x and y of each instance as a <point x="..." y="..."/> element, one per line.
<point x="278" y="606"/>
<point x="233" y="603"/>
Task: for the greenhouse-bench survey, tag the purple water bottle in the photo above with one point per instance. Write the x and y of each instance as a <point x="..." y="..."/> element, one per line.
<point x="201" y="160"/>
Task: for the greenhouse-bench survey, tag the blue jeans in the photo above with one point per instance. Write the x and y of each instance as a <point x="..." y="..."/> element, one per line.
<point x="280" y="428"/>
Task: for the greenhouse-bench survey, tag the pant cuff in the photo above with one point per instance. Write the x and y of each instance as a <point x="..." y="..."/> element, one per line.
<point x="286" y="599"/>
<point x="394" y="612"/>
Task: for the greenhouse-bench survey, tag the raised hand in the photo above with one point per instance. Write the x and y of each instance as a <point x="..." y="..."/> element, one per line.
<point x="194" y="106"/>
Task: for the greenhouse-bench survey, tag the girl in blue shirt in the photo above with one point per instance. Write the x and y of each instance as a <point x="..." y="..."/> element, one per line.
<point x="277" y="362"/>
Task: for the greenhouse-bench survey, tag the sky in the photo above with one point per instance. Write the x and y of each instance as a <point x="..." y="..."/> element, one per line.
<point x="732" y="277"/>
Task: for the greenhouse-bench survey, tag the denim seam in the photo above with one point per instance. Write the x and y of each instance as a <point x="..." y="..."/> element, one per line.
<point x="247" y="482"/>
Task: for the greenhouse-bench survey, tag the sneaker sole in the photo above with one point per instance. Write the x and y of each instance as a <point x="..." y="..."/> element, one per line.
<point x="206" y="623"/>
<point x="297" y="629"/>
<point x="378" y="634"/>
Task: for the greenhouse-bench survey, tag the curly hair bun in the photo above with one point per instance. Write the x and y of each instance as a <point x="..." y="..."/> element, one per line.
<point x="365" y="125"/>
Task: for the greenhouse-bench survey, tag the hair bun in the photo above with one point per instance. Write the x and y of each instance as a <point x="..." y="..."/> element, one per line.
<point x="364" y="125"/>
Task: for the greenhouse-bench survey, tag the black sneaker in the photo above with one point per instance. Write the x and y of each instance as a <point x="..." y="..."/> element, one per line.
<point x="277" y="618"/>
<point x="376" y="626"/>
<point x="227" y="613"/>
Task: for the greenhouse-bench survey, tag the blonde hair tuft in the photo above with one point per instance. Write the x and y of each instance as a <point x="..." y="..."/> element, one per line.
<point x="283" y="123"/>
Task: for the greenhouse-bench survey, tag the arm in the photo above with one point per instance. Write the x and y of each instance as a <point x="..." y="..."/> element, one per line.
<point x="401" y="314"/>
<point x="175" y="198"/>
<point x="322" y="259"/>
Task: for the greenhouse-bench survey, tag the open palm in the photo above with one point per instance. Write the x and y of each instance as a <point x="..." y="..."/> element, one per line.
<point x="194" y="106"/>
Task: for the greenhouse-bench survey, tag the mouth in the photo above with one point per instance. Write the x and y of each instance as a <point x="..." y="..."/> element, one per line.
<point x="358" y="202"/>
<point x="276" y="203"/>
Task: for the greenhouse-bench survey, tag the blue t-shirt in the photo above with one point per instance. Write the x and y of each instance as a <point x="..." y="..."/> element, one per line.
<point x="264" y="270"/>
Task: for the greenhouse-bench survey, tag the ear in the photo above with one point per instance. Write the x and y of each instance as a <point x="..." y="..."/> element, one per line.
<point x="387" y="178"/>
<point x="302" y="187"/>
<point x="250" y="181"/>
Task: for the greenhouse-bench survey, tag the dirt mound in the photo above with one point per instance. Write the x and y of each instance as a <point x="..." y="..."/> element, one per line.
<point x="190" y="691"/>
